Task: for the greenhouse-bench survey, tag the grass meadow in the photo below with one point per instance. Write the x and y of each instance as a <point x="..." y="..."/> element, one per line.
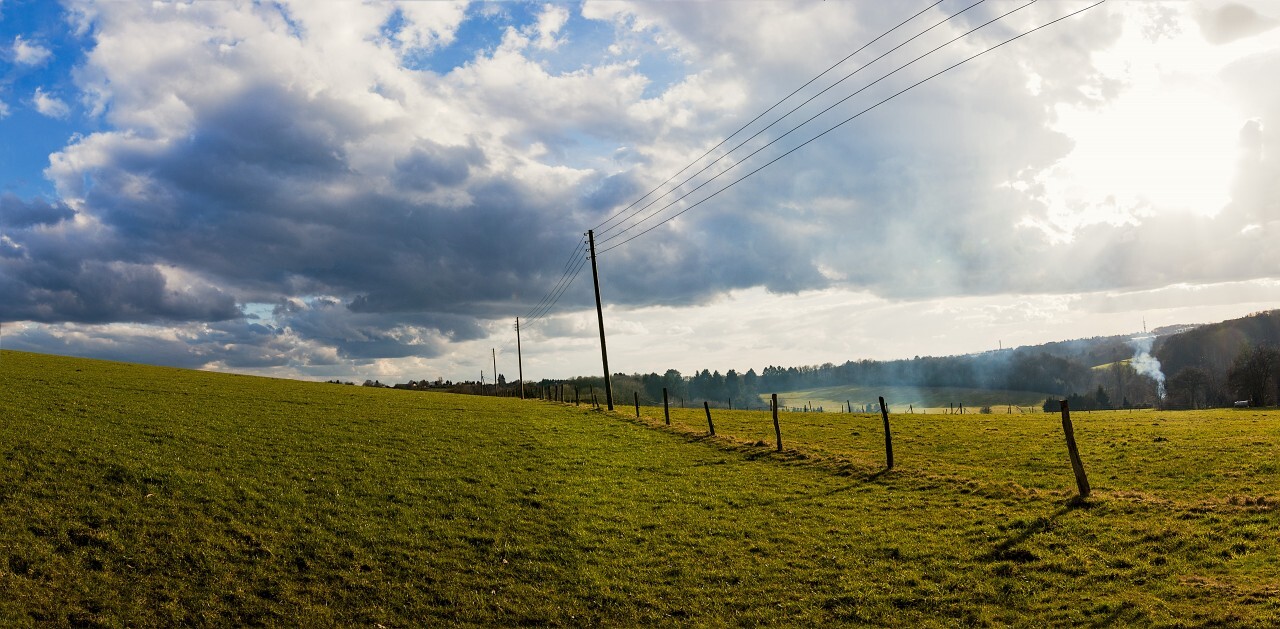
<point x="144" y="496"/>
<point x="930" y="400"/>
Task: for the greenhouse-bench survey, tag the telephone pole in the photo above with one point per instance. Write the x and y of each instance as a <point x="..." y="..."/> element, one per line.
<point x="519" y="358"/>
<point x="494" y="352"/>
<point x="604" y="353"/>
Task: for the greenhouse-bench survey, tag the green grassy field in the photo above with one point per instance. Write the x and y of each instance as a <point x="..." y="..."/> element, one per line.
<point x="919" y="399"/>
<point x="142" y="496"/>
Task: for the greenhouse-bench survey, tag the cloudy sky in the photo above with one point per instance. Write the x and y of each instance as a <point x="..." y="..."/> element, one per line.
<point x="378" y="189"/>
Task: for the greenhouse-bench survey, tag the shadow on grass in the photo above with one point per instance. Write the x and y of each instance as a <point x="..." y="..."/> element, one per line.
<point x="1008" y="549"/>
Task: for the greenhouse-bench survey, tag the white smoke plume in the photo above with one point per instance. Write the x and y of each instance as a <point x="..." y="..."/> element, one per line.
<point x="1146" y="364"/>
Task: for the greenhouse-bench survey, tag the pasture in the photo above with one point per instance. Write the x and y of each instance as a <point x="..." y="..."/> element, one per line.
<point x="134" y="495"/>
<point x="931" y="400"/>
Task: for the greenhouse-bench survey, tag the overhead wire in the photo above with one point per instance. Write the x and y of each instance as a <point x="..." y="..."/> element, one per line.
<point x="578" y="259"/>
<point x="820" y="113"/>
<point x="764" y="113"/>
<point x="571" y="270"/>
<point x="563" y="288"/>
<point x="783" y="117"/>
<point x="836" y="126"/>
<point x="564" y="272"/>
<point x="528" y="322"/>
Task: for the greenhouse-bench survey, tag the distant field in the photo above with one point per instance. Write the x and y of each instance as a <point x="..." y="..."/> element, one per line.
<point x="919" y="399"/>
<point x="144" y="496"/>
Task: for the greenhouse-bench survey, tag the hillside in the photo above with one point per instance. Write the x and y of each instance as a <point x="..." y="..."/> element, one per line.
<point x="142" y="496"/>
<point x="1214" y="346"/>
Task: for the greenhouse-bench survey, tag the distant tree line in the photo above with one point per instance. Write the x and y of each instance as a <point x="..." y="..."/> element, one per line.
<point x="1211" y="365"/>
<point x="1019" y="370"/>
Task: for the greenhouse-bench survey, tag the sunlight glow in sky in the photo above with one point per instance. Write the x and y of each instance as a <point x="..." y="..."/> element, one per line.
<point x="376" y="190"/>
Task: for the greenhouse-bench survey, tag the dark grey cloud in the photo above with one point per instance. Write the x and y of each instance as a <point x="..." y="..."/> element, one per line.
<point x="234" y="344"/>
<point x="101" y="292"/>
<point x="106" y="345"/>
<point x="430" y="165"/>
<point x="389" y="213"/>
<point x="359" y="335"/>
<point x="16" y="213"/>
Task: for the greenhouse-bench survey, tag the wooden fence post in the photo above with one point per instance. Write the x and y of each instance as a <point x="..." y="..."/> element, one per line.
<point x="710" y="426"/>
<point x="1082" y="481"/>
<point x="666" y="408"/>
<point x="577" y="397"/>
<point x="777" y="430"/>
<point x="888" y="438"/>
<point x="637" y="394"/>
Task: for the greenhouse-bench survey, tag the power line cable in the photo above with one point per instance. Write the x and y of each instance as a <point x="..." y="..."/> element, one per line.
<point x="564" y="288"/>
<point x="815" y="116"/>
<point x="554" y="298"/>
<point x="842" y="123"/>
<point x="793" y="110"/>
<point x="763" y="113"/>
<point x="563" y="274"/>
<point x="548" y="300"/>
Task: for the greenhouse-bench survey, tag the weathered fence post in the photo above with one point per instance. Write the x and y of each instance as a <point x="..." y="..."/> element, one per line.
<point x="888" y="438"/>
<point x="1082" y="481"/>
<point x="730" y="403"/>
<point x="637" y="394"/>
<point x="666" y="408"/>
<point x="777" y="430"/>
<point x="710" y="426"/>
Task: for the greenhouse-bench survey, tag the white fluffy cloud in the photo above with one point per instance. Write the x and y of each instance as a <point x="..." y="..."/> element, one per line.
<point x="49" y="105"/>
<point x="388" y="194"/>
<point x="29" y="53"/>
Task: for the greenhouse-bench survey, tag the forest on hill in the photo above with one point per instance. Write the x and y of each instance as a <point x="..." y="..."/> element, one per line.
<point x="1172" y="367"/>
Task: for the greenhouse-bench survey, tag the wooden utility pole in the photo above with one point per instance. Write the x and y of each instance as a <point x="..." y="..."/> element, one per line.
<point x="604" y="353"/>
<point x="494" y="353"/>
<point x="519" y="358"/>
